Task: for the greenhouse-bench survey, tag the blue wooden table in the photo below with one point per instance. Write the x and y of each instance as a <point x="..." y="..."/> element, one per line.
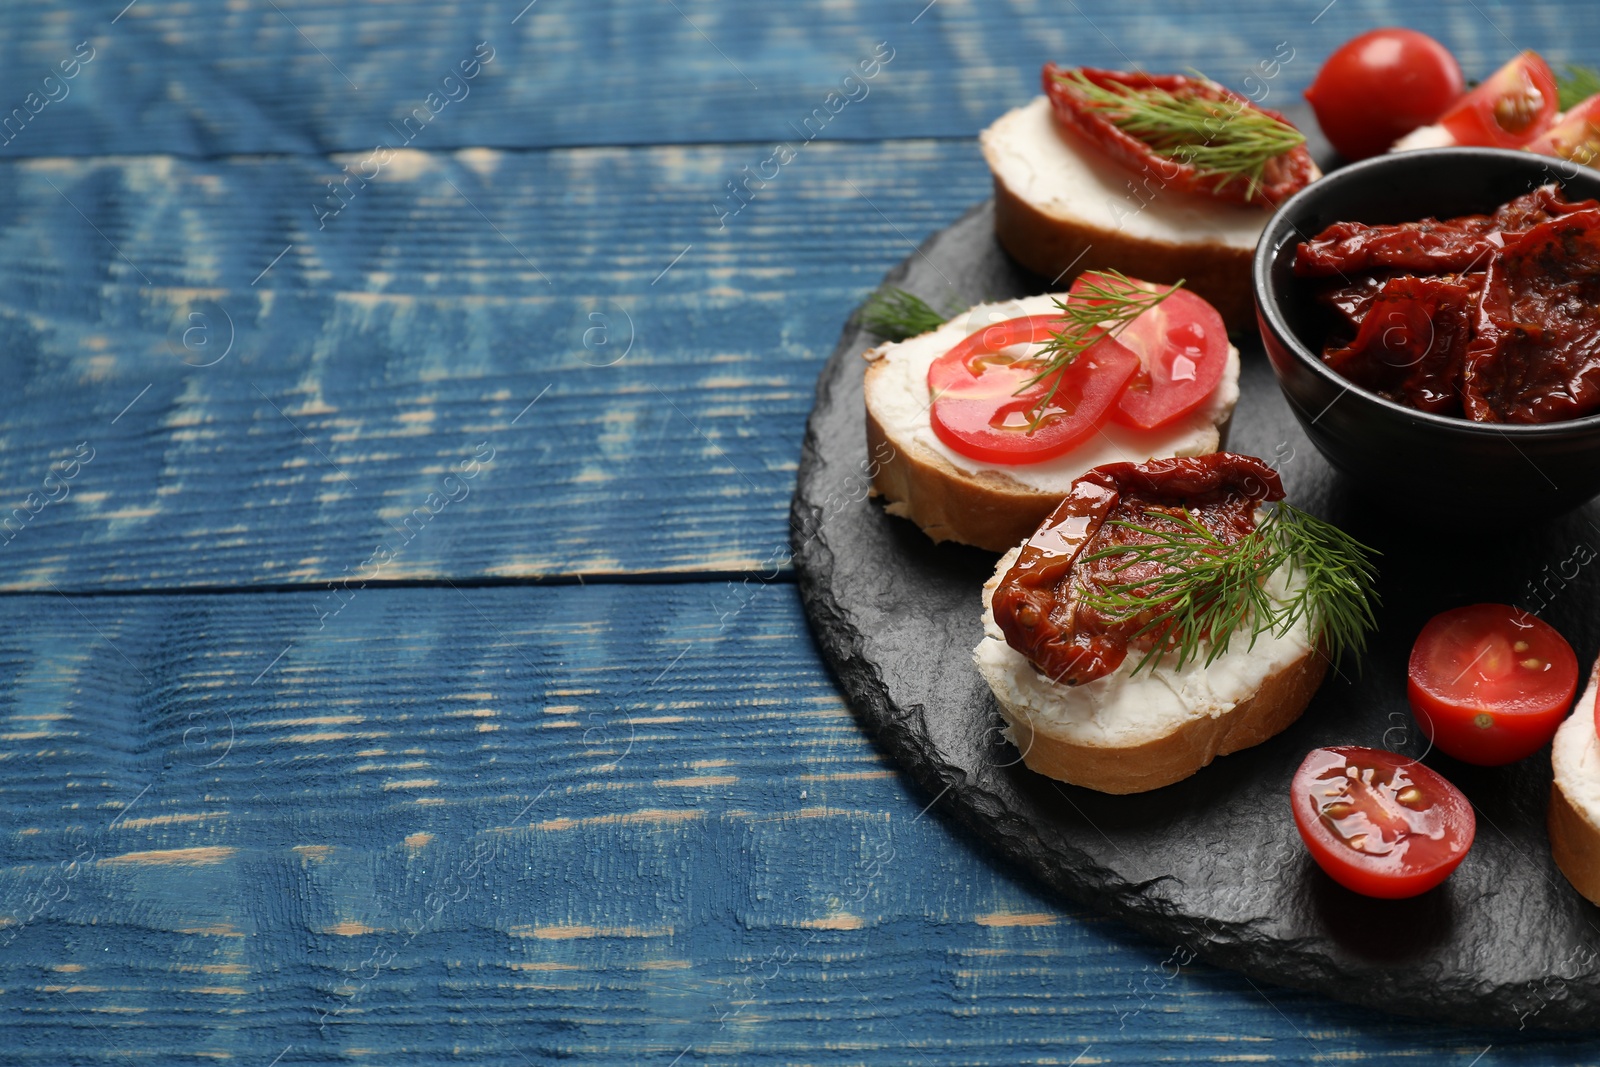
<point x="402" y="407"/>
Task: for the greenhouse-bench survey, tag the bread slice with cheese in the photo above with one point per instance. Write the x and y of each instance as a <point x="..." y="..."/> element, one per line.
<point x="1062" y="207"/>
<point x="1130" y="732"/>
<point x="995" y="506"/>
<point x="1574" y="818"/>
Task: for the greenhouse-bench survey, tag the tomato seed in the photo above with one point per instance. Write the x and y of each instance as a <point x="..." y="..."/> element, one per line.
<point x="1533" y="663"/>
<point x="1483" y="720"/>
<point x="1413" y="795"/>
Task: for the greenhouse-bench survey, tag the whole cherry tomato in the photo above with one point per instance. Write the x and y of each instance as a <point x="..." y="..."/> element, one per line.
<point x="1380" y="86"/>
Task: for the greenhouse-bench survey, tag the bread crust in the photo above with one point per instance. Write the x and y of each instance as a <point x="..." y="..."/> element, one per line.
<point x="1575" y="843"/>
<point x="988" y="509"/>
<point x="1574" y="833"/>
<point x="1179" y="753"/>
<point x="1050" y="245"/>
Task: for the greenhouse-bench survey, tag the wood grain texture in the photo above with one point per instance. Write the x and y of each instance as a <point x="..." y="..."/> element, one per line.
<point x="598" y="825"/>
<point x="292" y="828"/>
<point x="380" y="353"/>
<point x="308" y="76"/>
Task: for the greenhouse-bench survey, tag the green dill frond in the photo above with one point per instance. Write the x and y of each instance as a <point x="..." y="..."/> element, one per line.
<point x="895" y="314"/>
<point x="1220" y="139"/>
<point x="1107" y="302"/>
<point x="1576" y="84"/>
<point x="1207" y="591"/>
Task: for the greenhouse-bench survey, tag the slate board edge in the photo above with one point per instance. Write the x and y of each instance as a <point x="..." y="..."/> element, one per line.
<point x="902" y="734"/>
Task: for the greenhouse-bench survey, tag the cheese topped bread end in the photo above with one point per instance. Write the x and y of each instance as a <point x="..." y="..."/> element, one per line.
<point x="1574" y="819"/>
<point x="1061" y="206"/>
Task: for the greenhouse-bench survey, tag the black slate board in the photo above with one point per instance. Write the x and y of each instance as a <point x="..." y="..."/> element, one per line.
<point x="1213" y="866"/>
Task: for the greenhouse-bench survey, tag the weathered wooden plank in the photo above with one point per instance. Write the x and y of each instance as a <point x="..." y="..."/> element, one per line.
<point x="297" y="76"/>
<point x="595" y="824"/>
<point x="282" y="431"/>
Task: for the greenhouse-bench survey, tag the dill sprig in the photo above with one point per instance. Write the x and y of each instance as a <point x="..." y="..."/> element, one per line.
<point x="1221" y="139"/>
<point x="1206" y="590"/>
<point x="895" y="314"/>
<point x="1576" y="84"/>
<point x="1108" y="301"/>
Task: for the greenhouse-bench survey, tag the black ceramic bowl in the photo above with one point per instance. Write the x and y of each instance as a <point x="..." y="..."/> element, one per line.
<point x="1413" y="459"/>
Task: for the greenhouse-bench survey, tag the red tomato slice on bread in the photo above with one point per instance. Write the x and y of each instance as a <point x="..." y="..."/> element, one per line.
<point x="1514" y="105"/>
<point x="1182" y="347"/>
<point x="984" y="408"/>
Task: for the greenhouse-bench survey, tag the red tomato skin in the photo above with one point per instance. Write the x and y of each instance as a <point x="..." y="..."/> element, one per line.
<point x="1361" y="873"/>
<point x="1490" y="729"/>
<point x="1378" y="87"/>
<point x="1472" y="120"/>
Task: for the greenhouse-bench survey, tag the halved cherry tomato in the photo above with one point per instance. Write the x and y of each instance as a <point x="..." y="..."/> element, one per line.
<point x="1489" y="683"/>
<point x="1513" y="106"/>
<point x="1576" y="137"/>
<point x="1182" y="347"/>
<point x="1379" y="823"/>
<point x="978" y="409"/>
<point x="1378" y="87"/>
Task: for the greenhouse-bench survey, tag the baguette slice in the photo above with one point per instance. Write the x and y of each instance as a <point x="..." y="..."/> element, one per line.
<point x="954" y="498"/>
<point x="1060" y="205"/>
<point x="1574" y="819"/>
<point x="1127" y="733"/>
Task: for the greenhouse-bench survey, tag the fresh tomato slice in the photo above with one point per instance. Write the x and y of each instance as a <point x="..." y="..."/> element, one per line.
<point x="1489" y="683"/>
<point x="983" y="406"/>
<point x="1576" y="137"/>
<point x="1379" y="823"/>
<point x="1182" y="347"/>
<point x="1513" y="106"/>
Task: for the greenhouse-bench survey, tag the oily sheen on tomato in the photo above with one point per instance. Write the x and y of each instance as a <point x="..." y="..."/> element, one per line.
<point x="1378" y="87"/>
<point x="1182" y="347"/>
<point x="1513" y="106"/>
<point x="984" y="406"/>
<point x="1379" y="823"/>
<point x="1489" y="684"/>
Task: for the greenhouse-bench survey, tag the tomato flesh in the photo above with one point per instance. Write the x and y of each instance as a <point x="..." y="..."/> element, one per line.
<point x="1489" y="684"/>
<point x="1576" y="138"/>
<point x="983" y="406"/>
<point x="1378" y="823"/>
<point x="1513" y="106"/>
<point x="1378" y="87"/>
<point x="1182" y="347"/>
